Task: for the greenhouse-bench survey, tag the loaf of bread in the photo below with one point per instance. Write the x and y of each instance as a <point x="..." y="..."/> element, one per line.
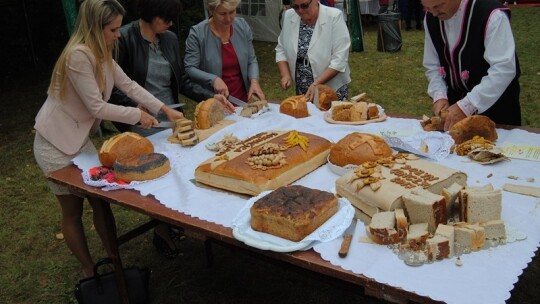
<point x="356" y="148"/>
<point x="326" y="96"/>
<point x="293" y="212"/>
<point x="295" y="106"/>
<point x="208" y="113"/>
<point x="476" y="125"/>
<point x="141" y="167"/>
<point x="253" y="107"/>
<point x="359" y="111"/>
<point x="265" y="161"/>
<point x="382" y="229"/>
<point x="341" y="110"/>
<point x="122" y="145"/>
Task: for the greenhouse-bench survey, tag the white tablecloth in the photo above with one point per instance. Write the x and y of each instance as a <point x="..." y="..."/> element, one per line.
<point x="487" y="276"/>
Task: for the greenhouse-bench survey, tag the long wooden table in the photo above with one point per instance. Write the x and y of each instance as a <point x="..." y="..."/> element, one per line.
<point x="70" y="176"/>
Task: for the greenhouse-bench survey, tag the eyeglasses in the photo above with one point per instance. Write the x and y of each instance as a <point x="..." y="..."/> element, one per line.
<point x="301" y="6"/>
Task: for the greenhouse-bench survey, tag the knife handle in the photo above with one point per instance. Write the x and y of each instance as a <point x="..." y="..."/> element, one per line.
<point x="345" y="244"/>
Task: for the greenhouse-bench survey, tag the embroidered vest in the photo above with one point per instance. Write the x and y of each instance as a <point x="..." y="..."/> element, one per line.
<point x="465" y="65"/>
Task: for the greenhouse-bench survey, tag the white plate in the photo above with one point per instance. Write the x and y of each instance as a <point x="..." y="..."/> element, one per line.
<point x="339" y="170"/>
<point x="331" y="229"/>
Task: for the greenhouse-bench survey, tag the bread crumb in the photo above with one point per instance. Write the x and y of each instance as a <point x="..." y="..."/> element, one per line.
<point x="459" y="262"/>
<point x="530" y="179"/>
<point x="489" y="175"/>
<point x="513" y="177"/>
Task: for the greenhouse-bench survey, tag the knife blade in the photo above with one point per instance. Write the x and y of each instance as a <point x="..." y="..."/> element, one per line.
<point x="347" y="238"/>
<point x="237" y="101"/>
<point x="164" y="124"/>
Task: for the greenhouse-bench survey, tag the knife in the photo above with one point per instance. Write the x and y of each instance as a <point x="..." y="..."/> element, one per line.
<point x="164" y="124"/>
<point x="347" y="238"/>
<point x="237" y="101"/>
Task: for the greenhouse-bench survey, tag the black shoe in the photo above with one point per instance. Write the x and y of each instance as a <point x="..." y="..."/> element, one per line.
<point x="163" y="247"/>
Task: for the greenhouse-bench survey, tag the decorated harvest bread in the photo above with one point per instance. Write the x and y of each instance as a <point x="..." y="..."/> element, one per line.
<point x="293" y="212"/>
<point x="141" y="167"/>
<point x="122" y="145"/>
<point x="295" y="106"/>
<point x="208" y="113"/>
<point x="265" y="161"/>
<point x="380" y="185"/>
<point x="326" y="96"/>
<point x="357" y="148"/>
<point x="476" y="125"/>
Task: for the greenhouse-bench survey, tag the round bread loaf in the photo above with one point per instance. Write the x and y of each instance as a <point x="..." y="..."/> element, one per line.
<point x="141" y="167"/>
<point x="122" y="145"/>
<point x="295" y="106"/>
<point x="357" y="148"/>
<point x="476" y="125"/>
<point x="326" y="96"/>
<point x="208" y="113"/>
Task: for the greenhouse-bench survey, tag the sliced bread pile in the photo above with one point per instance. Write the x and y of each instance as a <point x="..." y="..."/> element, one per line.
<point x="183" y="133"/>
<point x="437" y="226"/>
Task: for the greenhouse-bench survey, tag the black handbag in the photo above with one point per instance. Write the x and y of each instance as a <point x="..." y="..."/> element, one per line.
<point x="101" y="288"/>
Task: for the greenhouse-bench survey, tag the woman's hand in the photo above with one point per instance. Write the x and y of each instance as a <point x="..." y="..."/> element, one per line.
<point x="255" y="88"/>
<point x="311" y="92"/>
<point x="285" y="82"/>
<point x="229" y="107"/>
<point x="454" y="115"/>
<point x="147" y="121"/>
<point x="172" y="114"/>
<point x="220" y="87"/>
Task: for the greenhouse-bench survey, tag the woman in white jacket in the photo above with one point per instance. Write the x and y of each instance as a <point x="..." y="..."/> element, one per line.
<point x="313" y="48"/>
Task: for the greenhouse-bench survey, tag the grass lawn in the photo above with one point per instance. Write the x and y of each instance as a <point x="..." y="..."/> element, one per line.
<point x="38" y="268"/>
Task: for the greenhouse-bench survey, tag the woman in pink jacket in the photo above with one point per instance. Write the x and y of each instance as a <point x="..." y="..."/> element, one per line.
<point x="81" y="84"/>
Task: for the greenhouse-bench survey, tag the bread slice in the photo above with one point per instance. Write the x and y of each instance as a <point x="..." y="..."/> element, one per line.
<point x="495" y="230"/>
<point x="425" y="207"/>
<point x="417" y="236"/>
<point x="402" y="224"/>
<point x="480" y="205"/>
<point x="447" y="231"/>
<point x="382" y="229"/>
<point x="468" y="237"/>
<point x="438" y="248"/>
<point x="450" y="195"/>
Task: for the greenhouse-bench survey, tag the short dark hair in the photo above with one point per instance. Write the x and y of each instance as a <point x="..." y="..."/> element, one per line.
<point x="167" y="10"/>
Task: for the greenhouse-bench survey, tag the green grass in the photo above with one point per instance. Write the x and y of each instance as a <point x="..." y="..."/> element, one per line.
<point x="35" y="267"/>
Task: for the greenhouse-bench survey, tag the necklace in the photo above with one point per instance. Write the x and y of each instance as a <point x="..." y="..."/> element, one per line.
<point x="224" y="36"/>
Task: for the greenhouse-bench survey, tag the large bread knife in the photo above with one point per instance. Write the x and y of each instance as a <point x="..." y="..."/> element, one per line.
<point x="347" y="238"/>
<point x="237" y="101"/>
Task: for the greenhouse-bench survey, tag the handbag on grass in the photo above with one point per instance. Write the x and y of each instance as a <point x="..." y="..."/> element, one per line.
<point x="101" y="288"/>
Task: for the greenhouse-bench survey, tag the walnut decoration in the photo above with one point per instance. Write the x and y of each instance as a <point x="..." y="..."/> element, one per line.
<point x="475" y="143"/>
<point x="294" y="138"/>
<point x="267" y="156"/>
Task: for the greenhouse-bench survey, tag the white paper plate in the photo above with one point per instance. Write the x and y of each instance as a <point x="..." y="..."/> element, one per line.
<point x="439" y="144"/>
<point x="331" y="229"/>
<point x="339" y="170"/>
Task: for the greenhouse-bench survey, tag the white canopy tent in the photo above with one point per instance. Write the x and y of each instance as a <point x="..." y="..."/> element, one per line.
<point x="261" y="15"/>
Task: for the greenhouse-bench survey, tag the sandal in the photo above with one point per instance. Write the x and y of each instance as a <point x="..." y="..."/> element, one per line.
<point x="163" y="247"/>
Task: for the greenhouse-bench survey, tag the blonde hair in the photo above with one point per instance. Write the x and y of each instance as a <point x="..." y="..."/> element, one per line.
<point x="227" y="4"/>
<point x="93" y="16"/>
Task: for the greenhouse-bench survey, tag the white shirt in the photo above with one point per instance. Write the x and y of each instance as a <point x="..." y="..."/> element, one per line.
<point x="499" y="53"/>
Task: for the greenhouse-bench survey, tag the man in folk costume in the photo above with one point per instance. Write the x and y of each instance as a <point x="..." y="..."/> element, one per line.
<point x="471" y="61"/>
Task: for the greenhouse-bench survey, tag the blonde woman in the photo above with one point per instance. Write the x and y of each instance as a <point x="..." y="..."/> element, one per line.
<point x="81" y="84"/>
